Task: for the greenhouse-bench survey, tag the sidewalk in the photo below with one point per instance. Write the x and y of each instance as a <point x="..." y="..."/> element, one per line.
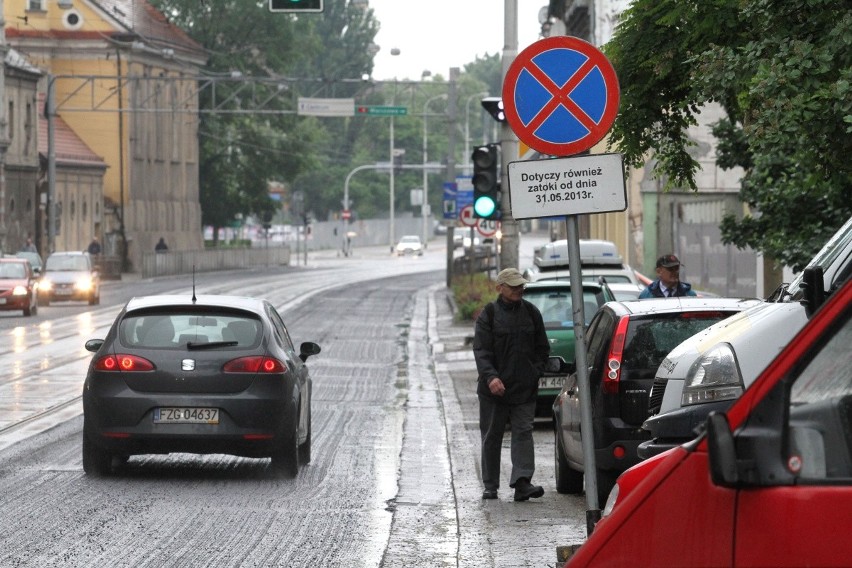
<point x="506" y="533"/>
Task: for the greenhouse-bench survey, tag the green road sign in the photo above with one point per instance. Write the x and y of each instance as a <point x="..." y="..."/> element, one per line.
<point x="373" y="110"/>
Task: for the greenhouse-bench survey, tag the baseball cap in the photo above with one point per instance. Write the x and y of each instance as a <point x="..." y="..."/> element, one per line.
<point x="511" y="277"/>
<point x="668" y="261"/>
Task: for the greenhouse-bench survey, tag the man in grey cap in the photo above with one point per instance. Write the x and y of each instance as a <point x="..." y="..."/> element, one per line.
<point x="511" y="348"/>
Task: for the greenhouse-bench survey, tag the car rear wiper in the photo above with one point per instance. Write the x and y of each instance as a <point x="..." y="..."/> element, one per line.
<point x="211" y="345"/>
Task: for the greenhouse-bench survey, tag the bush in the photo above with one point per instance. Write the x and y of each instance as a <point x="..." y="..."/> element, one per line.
<point x="472" y="292"/>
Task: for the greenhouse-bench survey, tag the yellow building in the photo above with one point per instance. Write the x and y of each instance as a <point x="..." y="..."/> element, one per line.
<point x="122" y="76"/>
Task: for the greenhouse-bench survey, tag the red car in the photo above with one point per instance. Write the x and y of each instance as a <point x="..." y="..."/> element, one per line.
<point x="18" y="286"/>
<point x="768" y="483"/>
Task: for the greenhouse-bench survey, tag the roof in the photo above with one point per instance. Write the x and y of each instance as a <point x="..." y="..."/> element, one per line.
<point x="18" y="61"/>
<point x="681" y="304"/>
<point x="561" y="285"/>
<point x="211" y="301"/>
<point x="69" y="148"/>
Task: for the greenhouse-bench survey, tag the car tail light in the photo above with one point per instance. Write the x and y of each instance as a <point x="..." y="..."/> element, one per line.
<point x="124" y="363"/>
<point x="255" y="364"/>
<point x="613" y="360"/>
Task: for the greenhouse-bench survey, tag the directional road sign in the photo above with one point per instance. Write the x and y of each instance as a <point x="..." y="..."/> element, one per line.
<point x="560" y="95"/>
<point x="374" y="110"/>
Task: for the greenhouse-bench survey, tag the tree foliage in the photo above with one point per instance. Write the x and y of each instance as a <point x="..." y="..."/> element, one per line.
<point x="782" y="70"/>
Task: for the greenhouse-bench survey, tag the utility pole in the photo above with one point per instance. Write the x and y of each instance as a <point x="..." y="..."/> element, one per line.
<point x="509" y="255"/>
<point x="451" y="157"/>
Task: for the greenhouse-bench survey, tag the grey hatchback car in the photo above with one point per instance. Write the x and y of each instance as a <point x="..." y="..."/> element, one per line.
<point x="212" y="374"/>
<point x="69" y="276"/>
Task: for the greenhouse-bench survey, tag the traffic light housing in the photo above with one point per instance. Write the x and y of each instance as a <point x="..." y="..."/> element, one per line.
<point x="494" y="106"/>
<point x="295" y="5"/>
<point x="486" y="182"/>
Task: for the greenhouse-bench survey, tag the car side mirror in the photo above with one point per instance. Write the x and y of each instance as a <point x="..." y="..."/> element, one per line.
<point x="307" y="349"/>
<point x="94" y="344"/>
<point x="557" y="365"/>
<point x="813" y="286"/>
<point x="721" y="451"/>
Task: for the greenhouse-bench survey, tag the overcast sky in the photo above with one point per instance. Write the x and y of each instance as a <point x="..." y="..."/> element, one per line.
<point x="435" y="35"/>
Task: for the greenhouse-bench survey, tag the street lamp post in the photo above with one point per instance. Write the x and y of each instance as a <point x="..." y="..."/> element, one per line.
<point x="424" y="206"/>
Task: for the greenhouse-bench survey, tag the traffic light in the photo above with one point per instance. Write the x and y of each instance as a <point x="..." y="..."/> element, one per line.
<point x="486" y="183"/>
<point x="295" y="5"/>
<point x="494" y="106"/>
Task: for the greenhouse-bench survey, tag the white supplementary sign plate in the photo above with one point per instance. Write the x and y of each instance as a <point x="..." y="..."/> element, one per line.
<point x="567" y="186"/>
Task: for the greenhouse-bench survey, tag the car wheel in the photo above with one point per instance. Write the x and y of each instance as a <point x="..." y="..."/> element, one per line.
<point x="44" y="300"/>
<point x="305" y="447"/>
<point x="568" y="481"/>
<point x="96" y="460"/>
<point x="285" y="460"/>
<point x="606" y="481"/>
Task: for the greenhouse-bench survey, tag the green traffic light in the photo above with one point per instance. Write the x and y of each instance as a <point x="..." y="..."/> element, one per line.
<point x="484" y="207"/>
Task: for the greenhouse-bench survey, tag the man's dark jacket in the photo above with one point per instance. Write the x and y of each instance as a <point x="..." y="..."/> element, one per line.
<point x="654" y="290"/>
<point x="511" y="345"/>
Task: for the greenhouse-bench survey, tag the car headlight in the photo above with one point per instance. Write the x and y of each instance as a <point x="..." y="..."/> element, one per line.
<point x="45" y="285"/>
<point x="84" y="284"/>
<point x="610" y="501"/>
<point x="715" y="376"/>
<point x="19" y="291"/>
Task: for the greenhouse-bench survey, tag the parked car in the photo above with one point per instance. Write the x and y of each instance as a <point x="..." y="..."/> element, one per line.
<point x="624" y="291"/>
<point x="765" y="484"/>
<point x="554" y="301"/>
<point x="212" y="374"/>
<point x="409" y="244"/>
<point x="625" y="343"/>
<point x="708" y="372"/>
<point x="597" y="259"/>
<point x="18" y="286"/>
<point x="35" y="261"/>
<point x="69" y="276"/>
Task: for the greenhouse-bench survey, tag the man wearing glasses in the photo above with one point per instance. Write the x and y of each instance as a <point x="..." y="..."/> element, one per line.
<point x="511" y="348"/>
<point x="667" y="284"/>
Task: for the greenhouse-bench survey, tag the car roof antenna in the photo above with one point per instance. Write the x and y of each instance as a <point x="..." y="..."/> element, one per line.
<point x="194" y="299"/>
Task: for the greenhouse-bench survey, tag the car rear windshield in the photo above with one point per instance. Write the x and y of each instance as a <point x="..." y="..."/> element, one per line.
<point x="556" y="306"/>
<point x="650" y="338"/>
<point x="178" y="330"/>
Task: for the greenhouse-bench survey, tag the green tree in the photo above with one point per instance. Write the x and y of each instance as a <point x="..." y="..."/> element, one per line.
<point x="782" y="71"/>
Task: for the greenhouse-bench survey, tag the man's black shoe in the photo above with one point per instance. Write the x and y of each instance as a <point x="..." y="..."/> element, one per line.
<point x="524" y="490"/>
<point x="489" y="494"/>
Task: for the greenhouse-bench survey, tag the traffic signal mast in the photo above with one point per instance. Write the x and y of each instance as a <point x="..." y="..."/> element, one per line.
<point x="486" y="182"/>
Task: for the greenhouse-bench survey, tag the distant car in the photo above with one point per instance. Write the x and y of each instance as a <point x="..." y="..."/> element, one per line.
<point x="69" y="276"/>
<point x="212" y="374"/>
<point x="598" y="259"/>
<point x="35" y="261"/>
<point x="624" y="291"/>
<point x="554" y="301"/>
<point x="409" y="244"/>
<point x="18" y="286"/>
<point x="625" y="343"/>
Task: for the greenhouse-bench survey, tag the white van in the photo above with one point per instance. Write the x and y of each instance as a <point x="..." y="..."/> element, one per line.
<point x="709" y="371"/>
<point x="597" y="259"/>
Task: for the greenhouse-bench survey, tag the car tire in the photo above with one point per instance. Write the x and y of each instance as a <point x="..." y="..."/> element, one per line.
<point x="568" y="481"/>
<point x="44" y="300"/>
<point x="305" y="447"/>
<point x="94" y="299"/>
<point x="96" y="460"/>
<point x="606" y="481"/>
<point x="285" y="461"/>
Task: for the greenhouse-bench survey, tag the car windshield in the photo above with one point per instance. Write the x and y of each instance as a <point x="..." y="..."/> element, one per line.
<point x="410" y="240"/>
<point x="9" y="270"/>
<point x="33" y="257"/>
<point x="77" y="263"/>
<point x="556" y="306"/>
<point x="179" y="330"/>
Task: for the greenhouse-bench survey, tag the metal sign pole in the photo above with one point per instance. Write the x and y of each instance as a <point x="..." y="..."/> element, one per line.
<point x="593" y="513"/>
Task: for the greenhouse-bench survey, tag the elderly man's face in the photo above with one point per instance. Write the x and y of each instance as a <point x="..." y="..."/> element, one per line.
<point x="510" y="293"/>
<point x="669" y="277"/>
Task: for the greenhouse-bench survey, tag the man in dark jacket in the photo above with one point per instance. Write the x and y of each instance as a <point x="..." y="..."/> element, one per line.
<point x="667" y="284"/>
<point x="511" y="349"/>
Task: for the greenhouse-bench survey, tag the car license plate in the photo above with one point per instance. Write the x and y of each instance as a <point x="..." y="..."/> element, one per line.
<point x="550" y="382"/>
<point x="172" y="415"/>
<point x="2" y="300"/>
<point x="62" y="292"/>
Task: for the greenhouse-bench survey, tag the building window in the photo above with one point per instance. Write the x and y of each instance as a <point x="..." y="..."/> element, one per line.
<point x="10" y="120"/>
<point x="35" y="5"/>
<point x="28" y="129"/>
<point x="12" y="206"/>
